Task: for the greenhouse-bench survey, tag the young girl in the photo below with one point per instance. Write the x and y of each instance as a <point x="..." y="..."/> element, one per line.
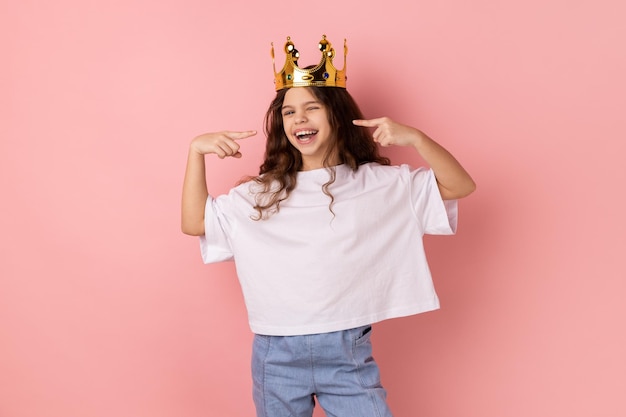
<point x="326" y="240"/>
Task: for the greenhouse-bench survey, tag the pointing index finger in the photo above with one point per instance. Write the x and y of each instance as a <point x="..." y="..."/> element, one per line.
<point x="367" y="123"/>
<point x="241" y="135"/>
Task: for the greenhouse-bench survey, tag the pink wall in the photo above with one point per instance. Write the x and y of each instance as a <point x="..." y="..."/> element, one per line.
<point x="105" y="307"/>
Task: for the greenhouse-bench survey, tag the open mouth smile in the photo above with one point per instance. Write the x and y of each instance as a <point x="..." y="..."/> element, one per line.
<point x="305" y="135"/>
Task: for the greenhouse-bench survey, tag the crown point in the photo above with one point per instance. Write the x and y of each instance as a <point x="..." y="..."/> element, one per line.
<point x="324" y="44"/>
<point x="289" y="46"/>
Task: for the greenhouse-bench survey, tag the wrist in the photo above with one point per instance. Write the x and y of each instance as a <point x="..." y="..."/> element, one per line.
<point x="418" y="138"/>
<point x="194" y="148"/>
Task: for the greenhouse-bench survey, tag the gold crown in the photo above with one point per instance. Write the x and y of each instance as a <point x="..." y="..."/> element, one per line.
<point x="323" y="74"/>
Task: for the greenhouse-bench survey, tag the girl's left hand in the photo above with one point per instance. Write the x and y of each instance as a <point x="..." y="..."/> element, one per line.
<point x="387" y="132"/>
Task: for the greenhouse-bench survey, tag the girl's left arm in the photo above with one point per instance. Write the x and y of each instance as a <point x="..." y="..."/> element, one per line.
<point x="453" y="181"/>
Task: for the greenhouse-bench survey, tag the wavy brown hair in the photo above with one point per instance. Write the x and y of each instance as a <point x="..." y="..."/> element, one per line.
<point x="352" y="144"/>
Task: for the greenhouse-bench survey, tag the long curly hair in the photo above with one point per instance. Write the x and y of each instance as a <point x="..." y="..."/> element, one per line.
<point x="354" y="146"/>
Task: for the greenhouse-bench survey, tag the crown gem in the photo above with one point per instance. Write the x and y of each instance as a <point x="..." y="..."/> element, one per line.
<point x="323" y="74"/>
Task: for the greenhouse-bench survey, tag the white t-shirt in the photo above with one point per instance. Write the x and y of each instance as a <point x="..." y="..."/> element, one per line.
<point x="305" y="270"/>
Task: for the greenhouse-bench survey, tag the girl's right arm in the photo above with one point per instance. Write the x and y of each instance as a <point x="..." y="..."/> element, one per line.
<point x="195" y="193"/>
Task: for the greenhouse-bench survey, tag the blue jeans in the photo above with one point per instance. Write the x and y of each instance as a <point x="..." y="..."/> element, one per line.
<point x="337" y="368"/>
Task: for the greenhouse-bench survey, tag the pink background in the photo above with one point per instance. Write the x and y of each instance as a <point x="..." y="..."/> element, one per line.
<point x="105" y="307"/>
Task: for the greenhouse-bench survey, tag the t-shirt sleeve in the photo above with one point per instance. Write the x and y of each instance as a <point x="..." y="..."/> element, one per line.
<point x="437" y="216"/>
<point x="215" y="245"/>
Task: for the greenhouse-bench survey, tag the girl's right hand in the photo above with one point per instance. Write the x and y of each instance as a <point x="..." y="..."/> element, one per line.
<point x="222" y="144"/>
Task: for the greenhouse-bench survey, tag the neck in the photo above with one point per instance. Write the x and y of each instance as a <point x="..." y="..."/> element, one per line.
<point x="309" y="164"/>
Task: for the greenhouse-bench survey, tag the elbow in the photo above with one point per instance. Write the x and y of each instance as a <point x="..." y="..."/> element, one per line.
<point x="192" y="230"/>
<point x="192" y="233"/>
<point x="468" y="189"/>
<point x="458" y="192"/>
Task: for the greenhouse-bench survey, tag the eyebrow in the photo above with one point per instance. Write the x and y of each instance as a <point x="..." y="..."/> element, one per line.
<point x="304" y="104"/>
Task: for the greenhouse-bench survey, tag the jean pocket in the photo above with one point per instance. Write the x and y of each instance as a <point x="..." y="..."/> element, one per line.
<point x="367" y="369"/>
<point x="260" y="350"/>
<point x="363" y="335"/>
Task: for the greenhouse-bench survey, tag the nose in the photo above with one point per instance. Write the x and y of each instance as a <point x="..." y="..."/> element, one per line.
<point x="300" y="117"/>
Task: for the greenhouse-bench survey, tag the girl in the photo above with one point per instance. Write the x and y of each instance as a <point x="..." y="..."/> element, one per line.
<point x="326" y="240"/>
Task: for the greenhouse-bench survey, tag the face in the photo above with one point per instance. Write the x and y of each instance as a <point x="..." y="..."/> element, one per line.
<point x="306" y="125"/>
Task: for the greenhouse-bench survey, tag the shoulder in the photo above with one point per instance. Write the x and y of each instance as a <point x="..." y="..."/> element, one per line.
<point x="373" y="175"/>
<point x="242" y="193"/>
<point x="398" y="171"/>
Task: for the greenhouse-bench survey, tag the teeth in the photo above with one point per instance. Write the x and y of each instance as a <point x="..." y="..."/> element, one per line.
<point x="306" y="132"/>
